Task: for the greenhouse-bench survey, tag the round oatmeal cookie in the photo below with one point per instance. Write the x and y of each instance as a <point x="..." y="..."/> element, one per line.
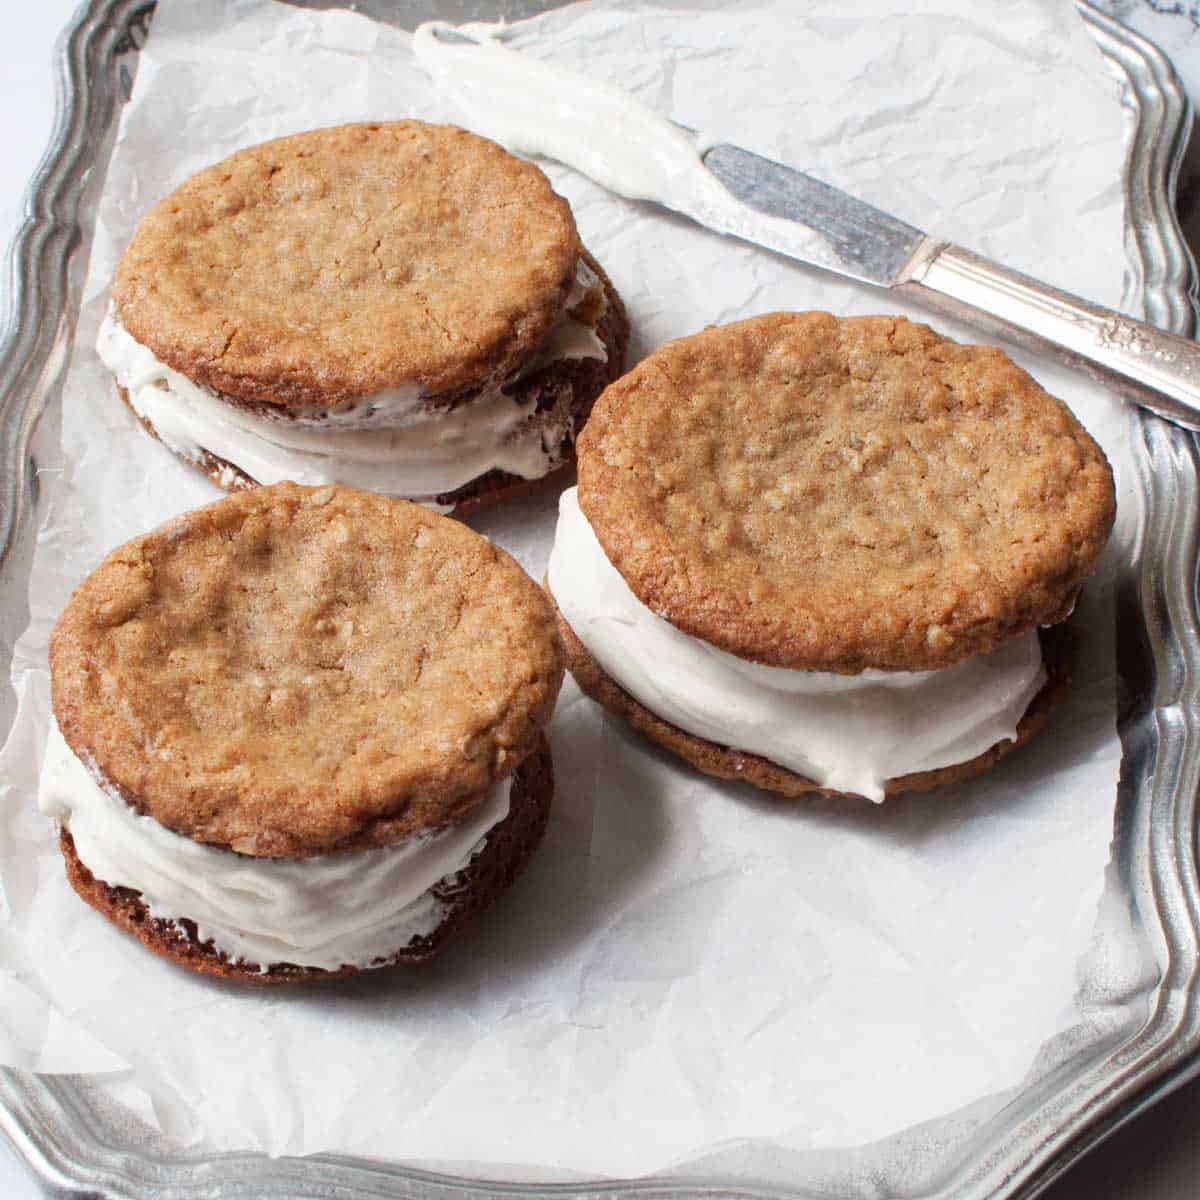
<point x="726" y="762"/>
<point x="333" y="264"/>
<point x="505" y="852"/>
<point x="837" y="495"/>
<point x="293" y="670"/>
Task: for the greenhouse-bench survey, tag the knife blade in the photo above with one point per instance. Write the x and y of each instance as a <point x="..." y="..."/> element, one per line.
<point x="856" y="238"/>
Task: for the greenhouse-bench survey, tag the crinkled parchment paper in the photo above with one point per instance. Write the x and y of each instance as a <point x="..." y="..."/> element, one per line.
<point x="689" y="971"/>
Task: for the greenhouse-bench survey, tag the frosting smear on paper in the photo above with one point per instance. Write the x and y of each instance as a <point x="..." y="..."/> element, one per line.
<point x="601" y="130"/>
<point x="536" y="107"/>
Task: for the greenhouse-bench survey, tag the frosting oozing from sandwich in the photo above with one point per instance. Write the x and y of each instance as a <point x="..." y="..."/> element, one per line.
<point x="348" y="908"/>
<point x="395" y="442"/>
<point x="850" y="733"/>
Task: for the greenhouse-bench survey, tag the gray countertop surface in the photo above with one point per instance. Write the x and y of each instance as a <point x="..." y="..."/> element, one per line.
<point x="1157" y="1157"/>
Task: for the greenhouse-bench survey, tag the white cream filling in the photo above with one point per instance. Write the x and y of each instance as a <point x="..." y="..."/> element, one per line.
<point x="344" y="909"/>
<point x="848" y="732"/>
<point x="391" y="442"/>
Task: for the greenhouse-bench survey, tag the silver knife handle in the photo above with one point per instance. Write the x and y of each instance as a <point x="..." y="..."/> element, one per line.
<point x="1155" y="369"/>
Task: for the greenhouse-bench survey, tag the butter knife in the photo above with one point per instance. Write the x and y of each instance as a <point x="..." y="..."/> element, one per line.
<point x="538" y="107"/>
<point x="816" y="223"/>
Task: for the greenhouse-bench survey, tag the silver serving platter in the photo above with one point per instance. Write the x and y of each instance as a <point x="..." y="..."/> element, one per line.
<point x="1140" y="1033"/>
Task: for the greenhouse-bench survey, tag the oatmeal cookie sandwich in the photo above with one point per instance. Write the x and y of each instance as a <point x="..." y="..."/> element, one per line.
<point x="825" y="555"/>
<point x="396" y="306"/>
<point x="299" y="733"/>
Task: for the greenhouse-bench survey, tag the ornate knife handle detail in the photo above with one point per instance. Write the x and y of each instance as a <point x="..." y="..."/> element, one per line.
<point x="1152" y="368"/>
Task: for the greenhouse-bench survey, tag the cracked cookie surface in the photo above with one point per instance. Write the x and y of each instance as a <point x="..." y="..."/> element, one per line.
<point x="836" y="495"/>
<point x="293" y="670"/>
<point x="338" y="263"/>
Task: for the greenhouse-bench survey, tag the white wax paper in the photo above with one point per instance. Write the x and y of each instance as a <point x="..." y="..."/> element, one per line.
<point x="691" y="975"/>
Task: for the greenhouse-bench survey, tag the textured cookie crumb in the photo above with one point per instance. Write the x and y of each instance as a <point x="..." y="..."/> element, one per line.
<point x="337" y="263"/>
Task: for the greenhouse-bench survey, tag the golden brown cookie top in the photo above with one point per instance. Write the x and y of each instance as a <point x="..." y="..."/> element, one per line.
<point x="834" y="495"/>
<point x="337" y="263"/>
<point x="295" y="669"/>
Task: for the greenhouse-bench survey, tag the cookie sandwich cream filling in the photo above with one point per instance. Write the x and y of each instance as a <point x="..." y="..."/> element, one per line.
<point x="847" y="732"/>
<point x="341" y="909"/>
<point x="392" y="442"/>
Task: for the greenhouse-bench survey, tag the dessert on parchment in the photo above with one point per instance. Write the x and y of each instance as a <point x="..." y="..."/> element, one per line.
<point x="397" y="306"/>
<point x="299" y="732"/>
<point x="828" y="555"/>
